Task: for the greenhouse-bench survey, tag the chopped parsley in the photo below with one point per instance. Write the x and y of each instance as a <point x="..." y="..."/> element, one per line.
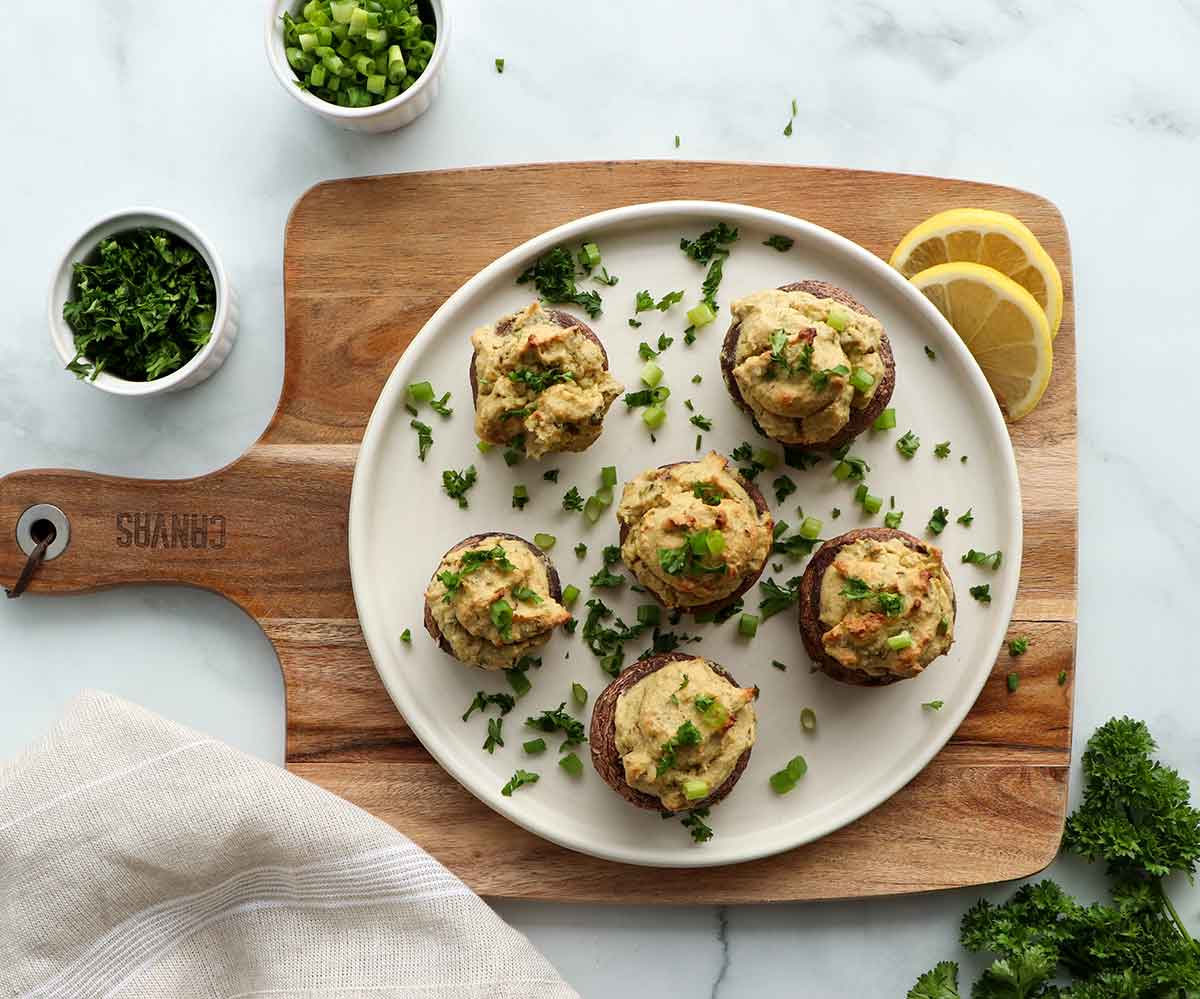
<point x="499" y="65"/>
<point x="1062" y="677"/>
<point x="686" y="735"/>
<point x="644" y="301"/>
<point x="782" y="667"/>
<point x="646" y="352"/>
<point x="607" y="643"/>
<point x="710" y="243"/>
<point x="942" y="449"/>
<point x="972" y="557"/>
<point x="1018" y="646"/>
<point x="892" y="604"/>
<point x="703" y="422"/>
<point x="611" y="554"/>
<point x="572" y="500"/>
<point x="551" y="475"/>
<point x="457" y="484"/>
<point x="908" y="444"/>
<point x="518" y="780"/>
<point x="776" y="598"/>
<point x="605" y="278"/>
<point x="520" y="497"/>
<point x="557" y="720"/>
<point x="780" y="243"/>
<point x="982" y="593"/>
<point x="708" y="493"/>
<point x="526" y="595"/>
<point x="406" y="636"/>
<point x="505" y="702"/>
<point x="784" y="487"/>
<point x="605" y="580"/>
<point x="938" y="520"/>
<point x="424" y="438"/>
<point x="700" y="830"/>
<point x="494" y="736"/>
<point x="553" y="275"/>
<point x="501" y="614"/>
<point x="967" y="518"/>
<point x="693" y="557"/>
<point x="538" y="380"/>
<point x="929" y="352"/>
<point x="581" y="550"/>
<point x="934" y="705"/>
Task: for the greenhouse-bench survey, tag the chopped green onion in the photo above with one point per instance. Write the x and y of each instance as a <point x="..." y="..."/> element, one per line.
<point x="862" y="379"/>
<point x="534" y="746"/>
<point x="483" y="446"/>
<point x="608" y="475"/>
<point x="1014" y="681"/>
<point x="1062" y="677"/>
<point x="420" y="392"/>
<point x="885" y="420"/>
<point x="654" y="416"/>
<point x="571" y="764"/>
<point x="544" y="541"/>
<point x="570" y="594"/>
<point x="520" y="497"/>
<point x="695" y="789"/>
<point x="782" y="782"/>
<point x="836" y="319"/>
<point x="860" y="493"/>
<point x="579" y="694"/>
<point x="701" y="315"/>
<point x="651" y="374"/>
<point x="748" y="625"/>
<point x="604" y="496"/>
<point x="797" y="767"/>
<point x="892" y="519"/>
<point x="761" y="456"/>
<point x="592" y="509"/>
<point x="901" y="641"/>
<point x="589" y="255"/>
<point x="810" y="528"/>
<point x="649" y="614"/>
<point x="518" y="681"/>
<point x="872" y="504"/>
<point x="808" y="720"/>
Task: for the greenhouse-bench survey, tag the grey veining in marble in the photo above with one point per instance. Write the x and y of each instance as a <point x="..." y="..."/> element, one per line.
<point x="1094" y="105"/>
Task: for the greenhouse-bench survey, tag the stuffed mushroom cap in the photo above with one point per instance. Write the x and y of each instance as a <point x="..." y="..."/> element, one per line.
<point x="673" y="733"/>
<point x="876" y="606"/>
<point x="540" y="378"/>
<point x="694" y="533"/>
<point x="494" y="599"/>
<point x="796" y="359"/>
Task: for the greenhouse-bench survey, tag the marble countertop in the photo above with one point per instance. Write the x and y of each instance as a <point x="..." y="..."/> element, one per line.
<point x="1092" y="105"/>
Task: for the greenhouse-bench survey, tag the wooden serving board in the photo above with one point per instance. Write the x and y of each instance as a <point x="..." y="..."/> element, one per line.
<point x="269" y="532"/>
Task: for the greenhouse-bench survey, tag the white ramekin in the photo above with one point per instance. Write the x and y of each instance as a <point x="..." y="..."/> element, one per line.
<point x="386" y="117"/>
<point x="225" y="322"/>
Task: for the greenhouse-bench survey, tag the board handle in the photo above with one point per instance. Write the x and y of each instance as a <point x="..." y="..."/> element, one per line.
<point x="268" y="531"/>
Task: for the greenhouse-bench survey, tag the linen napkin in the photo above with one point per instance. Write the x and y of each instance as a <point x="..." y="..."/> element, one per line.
<point x="141" y="859"/>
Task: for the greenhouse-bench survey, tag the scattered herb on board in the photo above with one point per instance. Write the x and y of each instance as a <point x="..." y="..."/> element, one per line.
<point x="607" y="643"/>
<point x="908" y="444"/>
<point x="581" y="550"/>
<point x="992" y="559"/>
<point x="142" y="306"/>
<point x="551" y="475"/>
<point x="1018" y="646"/>
<point x="710" y="247"/>
<point x="572" y="500"/>
<point x="1062" y="677"/>
<point x="553" y="275"/>
<point x="700" y="830"/>
<point x="606" y="580"/>
<point x="780" y="243"/>
<point x="1137" y="817"/>
<point x="494" y="735"/>
<point x="934" y="705"/>
<point x="703" y="422"/>
<point x="784" y="487"/>
<point x="1013" y="681"/>
<point x="557" y="720"/>
<point x="776" y="598"/>
<point x="967" y="518"/>
<point x="938" y="520"/>
<point x="499" y="65"/>
<point x="518" y="780"/>
<point x="355" y="53"/>
<point x="982" y="593"/>
<point x="644" y="301"/>
<point x="505" y="702"/>
<point x="942" y="449"/>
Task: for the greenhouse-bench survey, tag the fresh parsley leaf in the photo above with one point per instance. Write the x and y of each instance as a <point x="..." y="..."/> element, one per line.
<point x="938" y="520"/>
<point x="557" y="720"/>
<point x="798" y="458"/>
<point x="664" y="342"/>
<point x="941" y="982"/>
<point x="605" y="278"/>
<point x="581" y="550"/>
<point x="930" y="353"/>
<point x="686" y="735"/>
<point x="703" y="422"/>
<point x="605" y="580"/>
<point x="707" y="493"/>
<point x="537" y="380"/>
<point x="518" y="780"/>
<point x="776" y="598"/>
<point x="709" y="243"/>
<point x="553" y="275"/>
<point x="551" y="475"/>
<point x="494" y="736"/>
<point x="611" y="554"/>
<point x="982" y="593"/>
<point x="697" y="556"/>
<point x="1018" y="646"/>
<point x="607" y="643"/>
<point x="646" y="352"/>
<point x="942" y="449"/>
<point x="784" y="487"/>
<point x="972" y="557"/>
<point x="780" y="243"/>
<point x="505" y="702"/>
<point x="424" y="438"/>
<point x="643" y="301"/>
<point x="934" y="705"/>
<point x="967" y="518"/>
<point x="526" y="595"/>
<point x="501" y="614"/>
<point x="700" y="830"/>
<point x="572" y="500"/>
<point x="457" y="484"/>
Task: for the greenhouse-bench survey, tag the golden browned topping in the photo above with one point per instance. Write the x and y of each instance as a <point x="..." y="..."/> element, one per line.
<point x="887" y="608"/>
<point x="540" y="382"/>
<point x="681" y="730"/>
<point x="694" y="533"/>
<point x="795" y="357"/>
<point x="491" y="601"/>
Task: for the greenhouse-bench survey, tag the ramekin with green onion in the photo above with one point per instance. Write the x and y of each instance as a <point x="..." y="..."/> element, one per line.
<point x="363" y="65"/>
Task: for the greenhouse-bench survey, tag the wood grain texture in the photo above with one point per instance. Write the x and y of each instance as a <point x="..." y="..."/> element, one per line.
<point x="269" y="532"/>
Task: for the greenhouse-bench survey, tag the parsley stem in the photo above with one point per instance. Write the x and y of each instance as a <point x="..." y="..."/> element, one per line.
<point x="1183" y="930"/>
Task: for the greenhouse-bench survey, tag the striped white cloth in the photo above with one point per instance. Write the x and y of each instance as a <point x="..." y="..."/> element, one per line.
<point x="141" y="859"/>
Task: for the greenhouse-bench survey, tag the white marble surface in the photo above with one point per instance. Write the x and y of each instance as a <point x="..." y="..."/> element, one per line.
<point x="1093" y="105"/>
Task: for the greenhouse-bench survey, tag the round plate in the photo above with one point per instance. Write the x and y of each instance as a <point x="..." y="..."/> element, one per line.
<point x="869" y="742"/>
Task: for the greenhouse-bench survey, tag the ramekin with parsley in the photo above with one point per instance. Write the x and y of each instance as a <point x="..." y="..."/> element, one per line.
<point x="141" y="306"/>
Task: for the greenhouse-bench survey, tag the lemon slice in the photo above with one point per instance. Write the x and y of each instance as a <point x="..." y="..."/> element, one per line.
<point x="994" y="239"/>
<point x="1002" y="325"/>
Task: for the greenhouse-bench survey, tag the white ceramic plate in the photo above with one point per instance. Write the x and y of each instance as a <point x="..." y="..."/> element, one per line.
<point x="869" y="742"/>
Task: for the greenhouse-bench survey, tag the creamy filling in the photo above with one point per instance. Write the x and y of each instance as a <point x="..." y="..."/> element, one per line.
<point x="795" y="358"/>
<point x="683" y="729"/>
<point x="694" y="533"/>
<point x="491" y="601"/>
<point x="541" y="384"/>
<point x="887" y="610"/>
